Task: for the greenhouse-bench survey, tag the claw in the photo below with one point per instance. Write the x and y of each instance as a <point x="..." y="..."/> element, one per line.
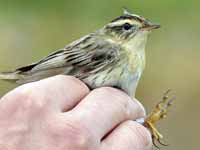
<point x="154" y="141"/>
<point x="161" y="143"/>
<point x="158" y="113"/>
<point x="155" y="144"/>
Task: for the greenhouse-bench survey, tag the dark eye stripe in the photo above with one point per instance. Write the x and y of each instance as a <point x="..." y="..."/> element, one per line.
<point x="125" y="26"/>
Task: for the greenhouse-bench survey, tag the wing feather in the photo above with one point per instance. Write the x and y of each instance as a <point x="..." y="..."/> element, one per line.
<point x="83" y="57"/>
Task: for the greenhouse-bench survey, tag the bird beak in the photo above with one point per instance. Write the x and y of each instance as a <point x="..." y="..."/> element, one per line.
<point x="150" y="26"/>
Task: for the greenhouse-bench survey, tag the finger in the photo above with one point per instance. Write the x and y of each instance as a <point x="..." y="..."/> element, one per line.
<point x="103" y="109"/>
<point x="66" y="91"/>
<point x="127" y="136"/>
<point x="61" y="92"/>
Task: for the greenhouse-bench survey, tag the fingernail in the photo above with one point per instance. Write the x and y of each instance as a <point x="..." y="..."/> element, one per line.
<point x="140" y="121"/>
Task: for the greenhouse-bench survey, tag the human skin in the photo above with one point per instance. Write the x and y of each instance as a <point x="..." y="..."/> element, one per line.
<point x="61" y="113"/>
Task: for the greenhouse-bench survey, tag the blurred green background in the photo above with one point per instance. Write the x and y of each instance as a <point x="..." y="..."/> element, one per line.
<point x="31" y="29"/>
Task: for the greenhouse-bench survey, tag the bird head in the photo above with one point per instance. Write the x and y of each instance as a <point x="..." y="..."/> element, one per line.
<point x="129" y="27"/>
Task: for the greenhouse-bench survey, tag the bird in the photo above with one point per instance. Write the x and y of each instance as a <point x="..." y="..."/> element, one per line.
<point x="113" y="55"/>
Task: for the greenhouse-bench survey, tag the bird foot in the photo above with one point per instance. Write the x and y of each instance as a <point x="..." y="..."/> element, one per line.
<point x="158" y="113"/>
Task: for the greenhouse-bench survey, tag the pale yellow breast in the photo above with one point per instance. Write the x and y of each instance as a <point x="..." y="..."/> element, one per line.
<point x="136" y="61"/>
<point x="135" y="51"/>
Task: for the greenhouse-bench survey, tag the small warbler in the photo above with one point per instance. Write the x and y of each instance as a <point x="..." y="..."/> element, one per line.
<point x="111" y="56"/>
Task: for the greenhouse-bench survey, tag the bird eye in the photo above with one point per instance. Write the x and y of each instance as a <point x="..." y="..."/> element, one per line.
<point x="127" y="26"/>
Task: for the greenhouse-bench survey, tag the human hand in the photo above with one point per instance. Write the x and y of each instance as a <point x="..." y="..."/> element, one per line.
<point x="60" y="113"/>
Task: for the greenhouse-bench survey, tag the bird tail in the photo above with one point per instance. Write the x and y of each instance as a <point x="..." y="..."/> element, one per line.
<point x="10" y="76"/>
<point x="17" y="75"/>
<point x="26" y="74"/>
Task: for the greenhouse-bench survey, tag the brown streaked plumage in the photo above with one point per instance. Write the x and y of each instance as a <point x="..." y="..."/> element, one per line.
<point x="112" y="56"/>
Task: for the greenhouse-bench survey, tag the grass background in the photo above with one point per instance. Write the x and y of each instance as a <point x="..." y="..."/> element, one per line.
<point x="31" y="29"/>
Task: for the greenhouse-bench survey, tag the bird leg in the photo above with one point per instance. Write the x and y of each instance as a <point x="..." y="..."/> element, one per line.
<point x="158" y="113"/>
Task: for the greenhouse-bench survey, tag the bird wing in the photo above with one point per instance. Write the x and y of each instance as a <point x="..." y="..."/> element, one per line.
<point x="81" y="58"/>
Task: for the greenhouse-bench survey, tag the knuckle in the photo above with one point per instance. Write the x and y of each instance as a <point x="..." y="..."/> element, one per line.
<point x="130" y="108"/>
<point x="80" y="135"/>
<point x="141" y="111"/>
<point x="27" y="97"/>
<point x="142" y="135"/>
<point x="75" y="135"/>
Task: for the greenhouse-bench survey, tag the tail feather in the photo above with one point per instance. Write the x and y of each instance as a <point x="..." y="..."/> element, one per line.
<point x="21" y="77"/>
<point x="10" y="76"/>
<point x="16" y="75"/>
<point x="25" y="74"/>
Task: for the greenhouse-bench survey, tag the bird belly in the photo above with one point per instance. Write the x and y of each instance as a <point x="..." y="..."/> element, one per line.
<point x="108" y="77"/>
<point x="119" y="77"/>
